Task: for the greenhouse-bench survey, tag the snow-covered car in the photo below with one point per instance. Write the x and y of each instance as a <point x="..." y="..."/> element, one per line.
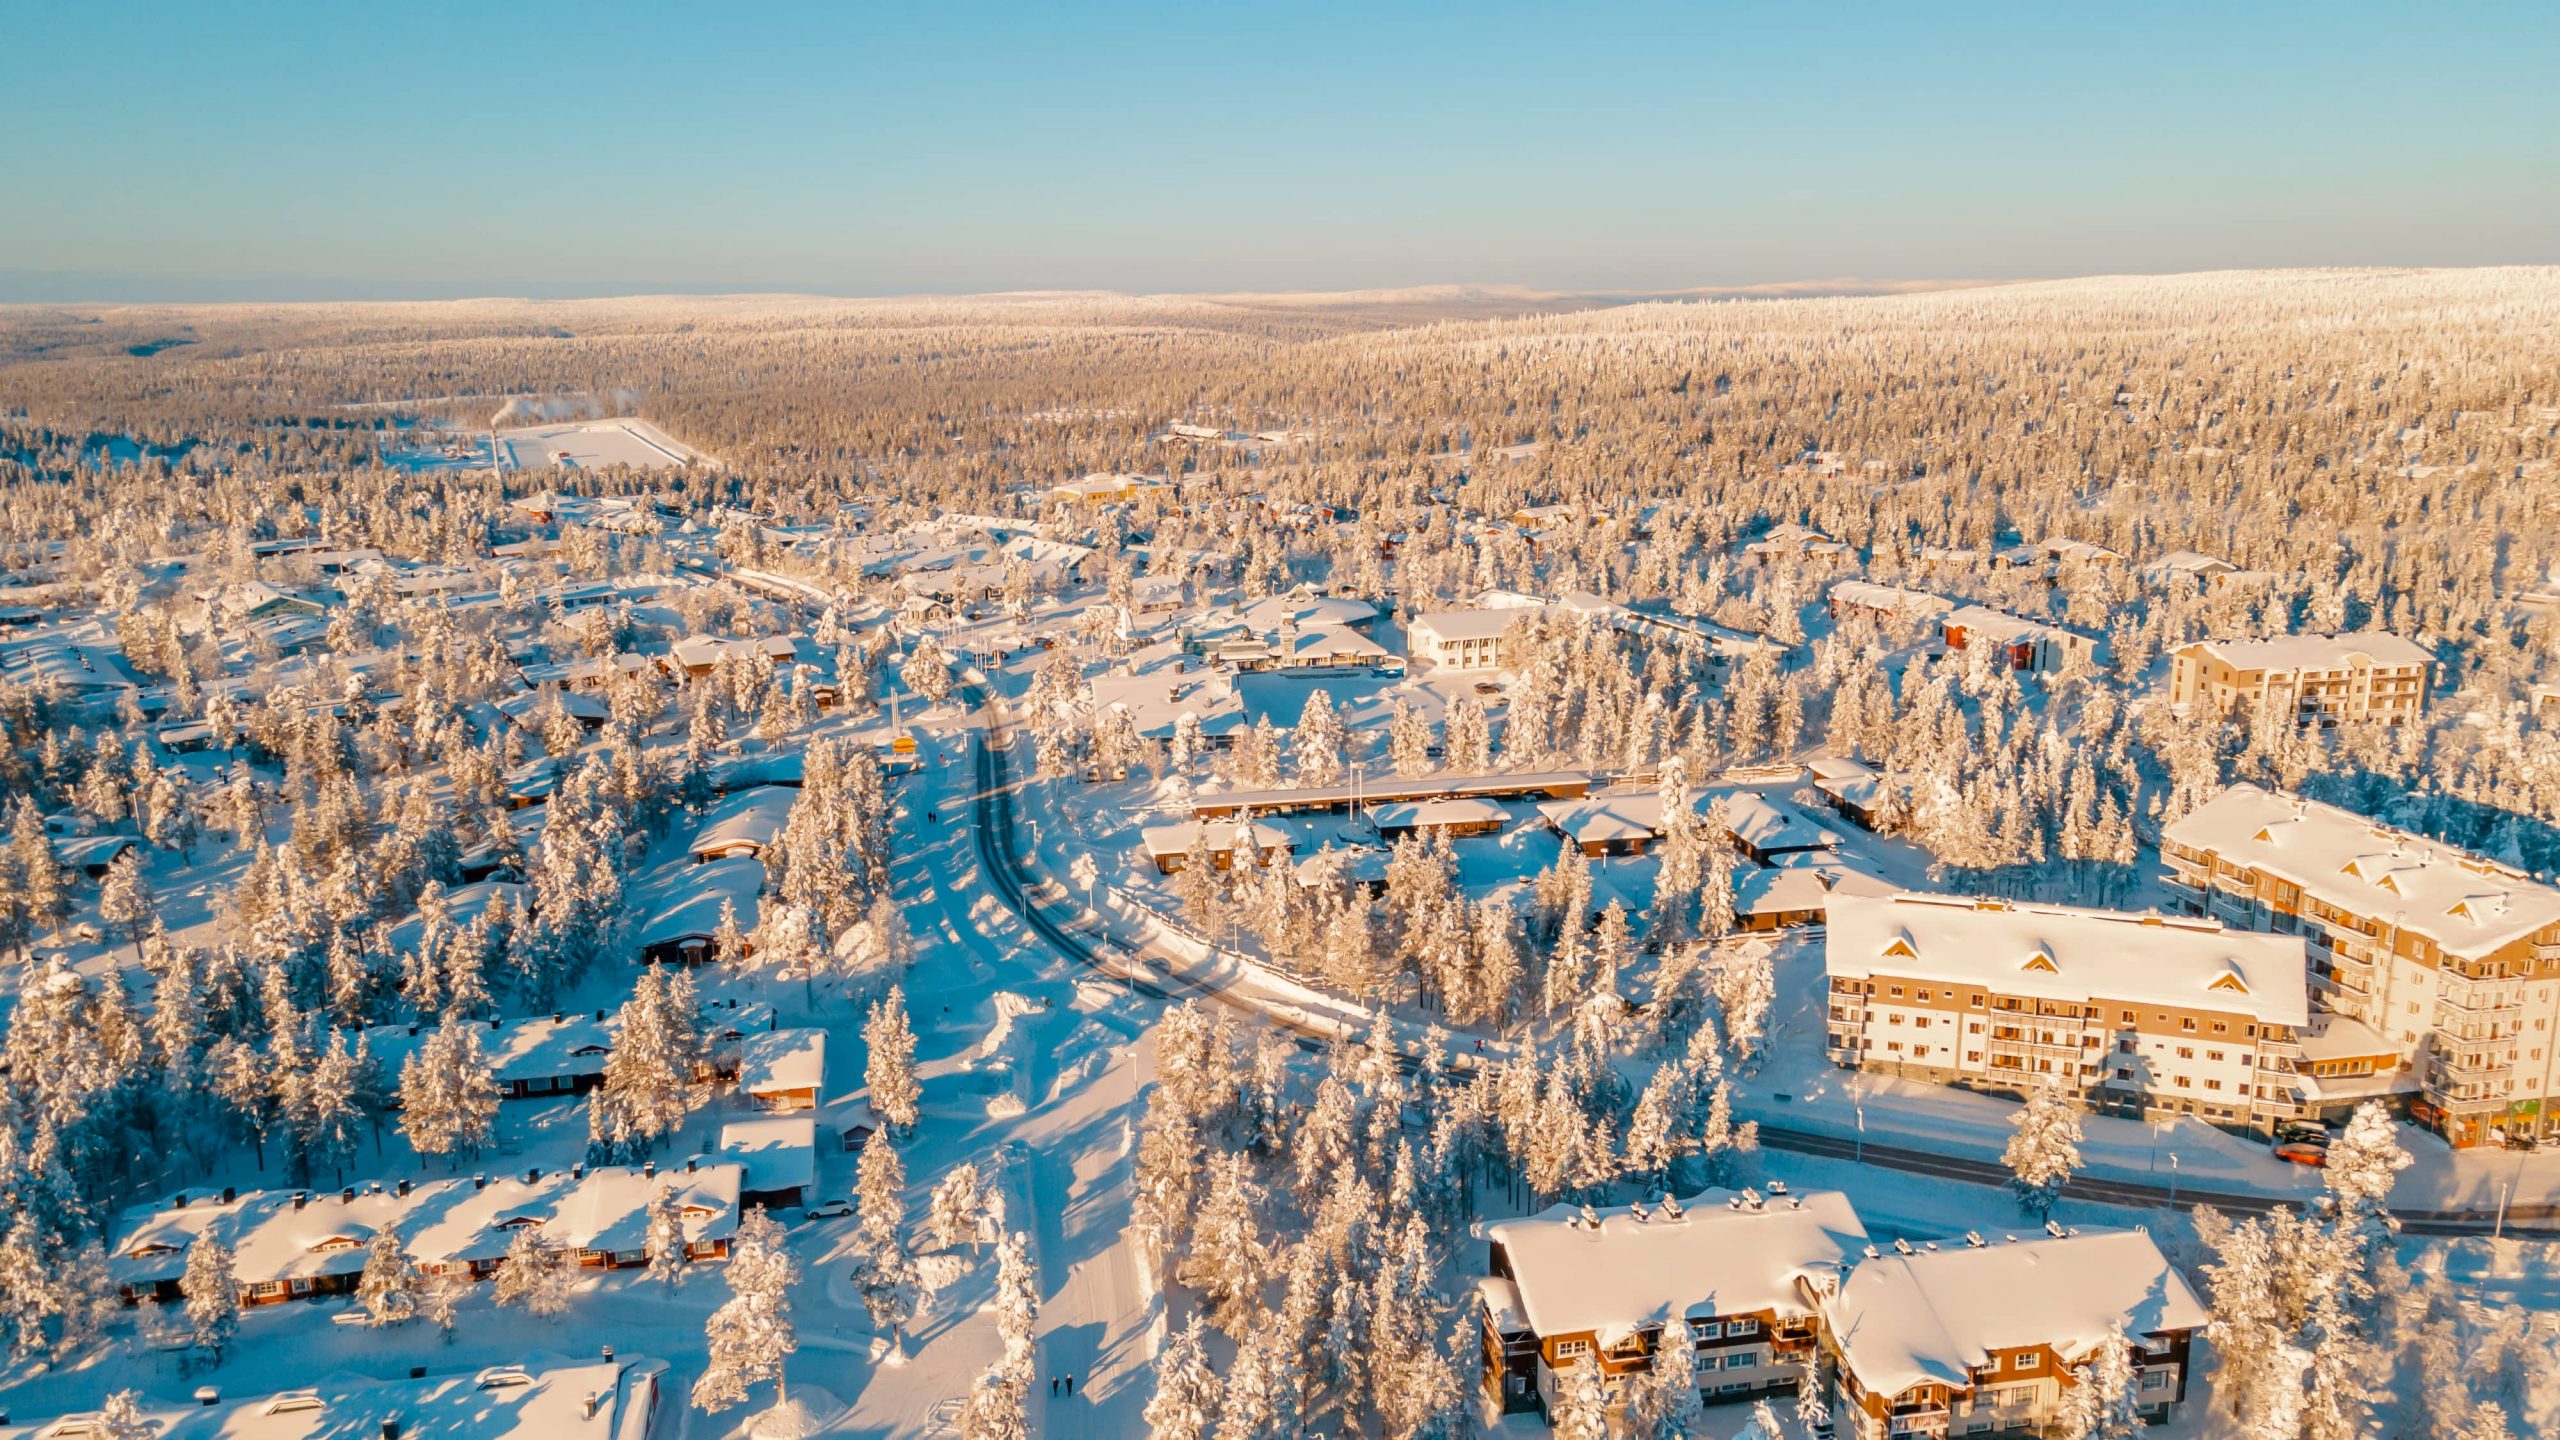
<point x="2309" y="1132"/>
<point x="829" y="1210"/>
<point x="2303" y="1153"/>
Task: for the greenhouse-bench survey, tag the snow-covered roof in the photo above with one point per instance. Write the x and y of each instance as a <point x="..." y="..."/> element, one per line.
<point x="1158" y="699"/>
<point x="1794" y="889"/>
<point x="745" y="821"/>
<point x="1616" y="815"/>
<point x="539" y="1399"/>
<point x="1445" y="625"/>
<point x="682" y="901"/>
<point x="1887" y="598"/>
<point x="1417" y="814"/>
<point x="780" y="1152"/>
<point x="1330" y="642"/>
<point x="1934" y="1316"/>
<point x="537" y="1049"/>
<point x="2001" y="626"/>
<point x="780" y="1060"/>
<point x="2317" y="652"/>
<point x="2194" y="562"/>
<point x="1718" y="1256"/>
<point x="1178" y="838"/>
<point x="2058" y="952"/>
<point x="2467" y="905"/>
<point x="1765" y="825"/>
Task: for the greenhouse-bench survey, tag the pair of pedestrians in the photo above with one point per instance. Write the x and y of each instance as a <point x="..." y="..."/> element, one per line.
<point x="1071" y="1386"/>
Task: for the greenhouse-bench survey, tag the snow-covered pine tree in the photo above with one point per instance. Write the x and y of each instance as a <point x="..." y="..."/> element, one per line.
<point x="1186" y="1389"/>
<point x="886" y="1272"/>
<point x="890" y="1069"/>
<point x="212" y="1293"/>
<point x="751" y="1334"/>
<point x="1017" y="1303"/>
<point x="1229" y="1261"/>
<point x="448" y="1094"/>
<point x="665" y="1240"/>
<point x="2045" y="1149"/>
<point x="388" y="1288"/>
<point x="2362" y="1167"/>
<point x="1315" y="748"/>
<point x="121" y="1418"/>
<point x="1582" y="1404"/>
<point x="958" y="1205"/>
<point x="534" y="1275"/>
<point x="996" y="1409"/>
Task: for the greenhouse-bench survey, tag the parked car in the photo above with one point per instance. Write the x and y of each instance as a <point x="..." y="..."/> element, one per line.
<point x="829" y="1210"/>
<point x="2308" y="1132"/>
<point x="1487" y="687"/>
<point x="2300" y="1153"/>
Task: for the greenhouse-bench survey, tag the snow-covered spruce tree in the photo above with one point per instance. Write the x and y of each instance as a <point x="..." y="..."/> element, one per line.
<point x="1582" y="1404"/>
<point x="534" y="1275"/>
<point x="1017" y="1303"/>
<point x="1315" y="748"/>
<point x="885" y="1271"/>
<point x="2362" y="1167"/>
<point x="2045" y="1151"/>
<point x="1186" y="1389"/>
<point x="648" y="1075"/>
<point x="2102" y="1403"/>
<point x="1229" y="1261"/>
<point x="751" y="1334"/>
<point x="213" y="1294"/>
<point x="889" y="1071"/>
<point x="1812" y="1411"/>
<point x="665" y="1241"/>
<point x="388" y="1288"/>
<point x="927" y="671"/>
<point x="996" y="1408"/>
<point x="121" y="1418"/>
<point x="448" y="1094"/>
<point x="958" y="1205"/>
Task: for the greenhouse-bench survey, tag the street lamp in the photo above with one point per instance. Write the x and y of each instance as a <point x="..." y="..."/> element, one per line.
<point x="2173" y="1177"/>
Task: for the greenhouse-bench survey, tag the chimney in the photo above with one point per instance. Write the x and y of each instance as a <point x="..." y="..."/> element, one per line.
<point x="413" y="1029"/>
<point x="1901" y="1247"/>
<point x="300" y="1199"/>
<point x="578" y="1171"/>
<point x="347" y="1196"/>
<point x="599" y="1015"/>
<point x="648" y="1168"/>
<point x="229" y="1195"/>
<point x="205" y="1395"/>
<point x="493" y="1022"/>
<point x="557" y="1017"/>
<point x="404" y="1189"/>
<point x="692" y="1163"/>
<point x="1973" y="1239"/>
<point x="532" y="1176"/>
<point x="479" y="1182"/>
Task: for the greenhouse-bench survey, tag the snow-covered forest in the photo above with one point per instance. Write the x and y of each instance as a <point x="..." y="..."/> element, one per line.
<point x="396" y="835"/>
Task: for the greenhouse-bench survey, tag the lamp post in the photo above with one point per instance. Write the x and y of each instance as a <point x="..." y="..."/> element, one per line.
<point x="2173" y="1177"/>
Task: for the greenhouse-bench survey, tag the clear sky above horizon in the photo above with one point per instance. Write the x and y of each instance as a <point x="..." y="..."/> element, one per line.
<point x="286" y="151"/>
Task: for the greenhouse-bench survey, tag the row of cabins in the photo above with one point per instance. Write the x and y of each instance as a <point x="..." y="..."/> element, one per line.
<point x="2446" y="962"/>
<point x="546" y="1056"/>
<point x="290" y="1245"/>
<point x="1962" y="1337"/>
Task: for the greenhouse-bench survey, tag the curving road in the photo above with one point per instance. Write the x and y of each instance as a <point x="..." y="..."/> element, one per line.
<point x="994" y="815"/>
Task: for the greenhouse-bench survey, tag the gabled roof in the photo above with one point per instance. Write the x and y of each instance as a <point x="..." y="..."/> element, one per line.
<point x="1933" y="1316"/>
<point x="1719" y="1256"/>
<point x="2467" y="905"/>
<point x="2059" y="952"/>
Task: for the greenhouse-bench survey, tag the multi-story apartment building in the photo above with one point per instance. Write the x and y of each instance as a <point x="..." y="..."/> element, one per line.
<point x="1981" y="1337"/>
<point x="2138" y="1012"/>
<point x="1738" y="1273"/>
<point x="2452" y="958"/>
<point x="2317" y="679"/>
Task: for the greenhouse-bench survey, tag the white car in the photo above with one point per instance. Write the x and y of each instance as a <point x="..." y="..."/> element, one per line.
<point x="830" y="1210"/>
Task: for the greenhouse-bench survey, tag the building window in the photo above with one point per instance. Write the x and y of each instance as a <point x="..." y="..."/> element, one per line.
<point x="1566" y="1349"/>
<point x="1708" y="1329"/>
<point x="2029" y="1361"/>
<point x="2153" y="1380"/>
<point x="1743" y="1327"/>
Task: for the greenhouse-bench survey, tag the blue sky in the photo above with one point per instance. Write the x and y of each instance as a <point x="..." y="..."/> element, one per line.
<point x="323" y="151"/>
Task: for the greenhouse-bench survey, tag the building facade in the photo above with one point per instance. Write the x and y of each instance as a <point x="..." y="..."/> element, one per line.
<point x="2317" y="679"/>
<point x="2139" y="1013"/>
<point x="2452" y="958"/>
<point x="1980" y="1337"/>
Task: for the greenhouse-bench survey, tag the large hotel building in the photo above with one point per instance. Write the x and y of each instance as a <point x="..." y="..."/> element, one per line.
<point x="2138" y="1012"/>
<point x="2449" y="961"/>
